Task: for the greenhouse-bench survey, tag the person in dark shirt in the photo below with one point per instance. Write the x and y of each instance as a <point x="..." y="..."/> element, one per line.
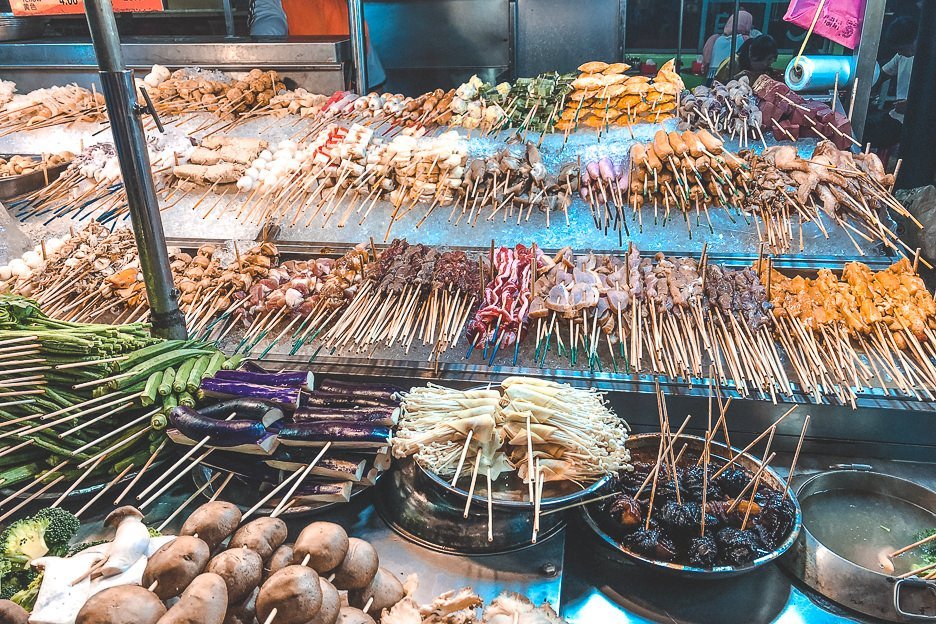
<point x="755" y="57"/>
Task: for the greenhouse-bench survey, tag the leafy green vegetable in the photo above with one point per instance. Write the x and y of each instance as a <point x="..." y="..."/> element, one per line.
<point x="928" y="550"/>
<point x="63" y="525"/>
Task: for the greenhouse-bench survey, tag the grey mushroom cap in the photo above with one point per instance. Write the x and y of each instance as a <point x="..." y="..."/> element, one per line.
<point x="115" y="517"/>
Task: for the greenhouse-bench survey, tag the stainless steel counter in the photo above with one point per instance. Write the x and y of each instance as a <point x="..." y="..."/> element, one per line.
<point x="319" y="64"/>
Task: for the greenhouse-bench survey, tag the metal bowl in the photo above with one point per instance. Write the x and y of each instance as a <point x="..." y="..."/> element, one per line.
<point x="868" y="591"/>
<point x="649" y="442"/>
<point x="16" y="185"/>
<point x="427" y="510"/>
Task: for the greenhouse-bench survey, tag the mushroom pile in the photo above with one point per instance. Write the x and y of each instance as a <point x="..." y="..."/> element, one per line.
<point x="220" y="569"/>
<point x="542" y="429"/>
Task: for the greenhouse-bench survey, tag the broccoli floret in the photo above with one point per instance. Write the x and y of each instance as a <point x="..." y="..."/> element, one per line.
<point x="7" y="590"/>
<point x="77" y="548"/>
<point x="27" y="597"/>
<point x="24" y="540"/>
<point x="16" y="581"/>
<point x="63" y="525"/>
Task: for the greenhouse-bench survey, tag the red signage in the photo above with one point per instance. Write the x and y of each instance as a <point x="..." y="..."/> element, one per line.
<point x="76" y="7"/>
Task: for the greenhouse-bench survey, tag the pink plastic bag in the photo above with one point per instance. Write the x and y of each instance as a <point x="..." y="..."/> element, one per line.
<point x="839" y="20"/>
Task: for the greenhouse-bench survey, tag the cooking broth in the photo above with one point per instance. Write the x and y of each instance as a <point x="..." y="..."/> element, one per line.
<point x="860" y="526"/>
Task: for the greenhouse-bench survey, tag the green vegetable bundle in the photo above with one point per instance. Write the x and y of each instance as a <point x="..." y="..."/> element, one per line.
<point x="81" y="396"/>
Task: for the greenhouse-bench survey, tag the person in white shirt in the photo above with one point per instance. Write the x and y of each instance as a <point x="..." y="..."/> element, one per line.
<point x="883" y="127"/>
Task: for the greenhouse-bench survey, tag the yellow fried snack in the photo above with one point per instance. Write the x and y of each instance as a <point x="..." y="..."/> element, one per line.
<point x="668" y="88"/>
<point x="587" y="82"/>
<point x="616" y="68"/>
<point x="635" y="79"/>
<point x="612" y="79"/>
<point x="593" y="67"/>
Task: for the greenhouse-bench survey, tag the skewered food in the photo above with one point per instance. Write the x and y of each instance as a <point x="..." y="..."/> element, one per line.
<point x="605" y="96"/>
<point x="506" y="304"/>
<point x="791" y="116"/>
<point x="888" y="313"/>
<point x="725" y="109"/>
<point x="507" y="182"/>
<point x="672" y="521"/>
<point x="410" y="291"/>
<point x="850" y="189"/>
<point x="7" y="89"/>
<point x="571" y="434"/>
<point x="21" y="165"/>
<point x="51" y="106"/>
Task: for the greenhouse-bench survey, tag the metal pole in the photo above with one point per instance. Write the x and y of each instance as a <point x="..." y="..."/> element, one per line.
<point x="130" y="141"/>
<point x="622" y="29"/>
<point x="228" y="17"/>
<point x="734" y="39"/>
<point x="358" y="50"/>
<point x="867" y="60"/>
<point x="682" y="12"/>
<point x="919" y="131"/>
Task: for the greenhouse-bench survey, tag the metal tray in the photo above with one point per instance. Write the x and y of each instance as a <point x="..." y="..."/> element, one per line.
<point x="14" y="186"/>
<point x="650" y="441"/>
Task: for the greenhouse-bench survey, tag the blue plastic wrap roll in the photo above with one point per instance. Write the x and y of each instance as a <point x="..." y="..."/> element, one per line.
<point x="817" y="73"/>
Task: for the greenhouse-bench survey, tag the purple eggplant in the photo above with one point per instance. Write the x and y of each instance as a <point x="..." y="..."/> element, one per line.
<point x="386" y="416"/>
<point x="220" y="432"/>
<point x="250" y="408"/>
<point x="282" y="379"/>
<point x="363" y="390"/>
<point x="223" y="388"/>
<point x="329" y="399"/>
<point x="340" y="434"/>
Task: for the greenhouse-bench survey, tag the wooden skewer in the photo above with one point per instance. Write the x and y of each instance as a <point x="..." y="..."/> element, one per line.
<point x="916" y="572"/>
<point x="139" y="475"/>
<point x="799" y="446"/>
<point x="766" y="432"/>
<point x="178" y="463"/>
<point x="271" y="617"/>
<point x="31" y="498"/>
<point x="185" y="504"/>
<point x="490" y="506"/>
<point x="305" y="473"/>
<point x="755" y="478"/>
<point x="461" y="460"/>
<point x="271" y="494"/>
<point x="900" y="551"/>
<point x="104" y="489"/>
<point x="224" y="484"/>
<point x="474" y="478"/>
<point x="172" y="481"/>
<point x="77" y="482"/>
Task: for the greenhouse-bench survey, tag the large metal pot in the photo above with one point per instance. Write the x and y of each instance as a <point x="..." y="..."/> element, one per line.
<point x="645" y="446"/>
<point x="865" y="590"/>
<point x="427" y="510"/>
